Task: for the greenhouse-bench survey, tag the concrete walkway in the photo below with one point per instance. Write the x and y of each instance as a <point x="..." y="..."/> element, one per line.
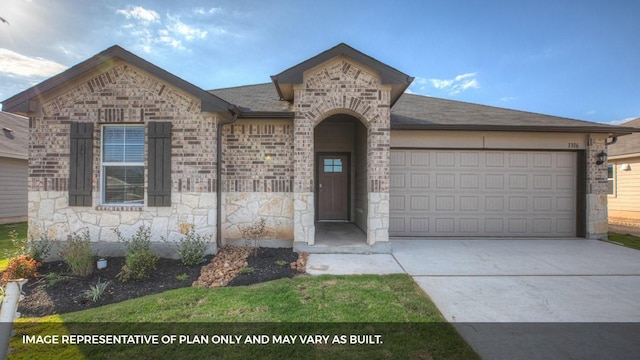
<point x="521" y="299"/>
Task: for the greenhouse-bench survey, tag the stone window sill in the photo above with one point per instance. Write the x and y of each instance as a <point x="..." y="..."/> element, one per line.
<point x="119" y="207"/>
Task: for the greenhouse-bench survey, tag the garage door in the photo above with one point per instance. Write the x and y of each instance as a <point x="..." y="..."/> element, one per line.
<point x="482" y="193"/>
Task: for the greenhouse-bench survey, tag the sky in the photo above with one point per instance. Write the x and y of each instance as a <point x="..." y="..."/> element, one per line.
<point x="572" y="58"/>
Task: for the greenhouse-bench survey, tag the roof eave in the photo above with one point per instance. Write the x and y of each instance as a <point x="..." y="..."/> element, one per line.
<point x="266" y="114"/>
<point x="614" y="131"/>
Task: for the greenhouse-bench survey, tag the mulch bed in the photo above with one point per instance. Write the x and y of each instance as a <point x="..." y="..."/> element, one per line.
<point x="43" y="298"/>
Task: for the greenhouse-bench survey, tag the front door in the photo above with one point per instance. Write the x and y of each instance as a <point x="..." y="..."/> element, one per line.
<point x="333" y="186"/>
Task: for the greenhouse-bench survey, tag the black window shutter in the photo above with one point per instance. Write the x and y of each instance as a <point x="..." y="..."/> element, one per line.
<point x="81" y="164"/>
<point x="159" y="169"/>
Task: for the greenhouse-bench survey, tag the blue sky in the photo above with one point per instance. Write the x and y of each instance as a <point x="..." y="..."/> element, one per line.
<point x="573" y="58"/>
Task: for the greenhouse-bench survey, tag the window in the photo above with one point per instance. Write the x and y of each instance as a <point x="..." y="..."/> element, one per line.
<point x="610" y="179"/>
<point x="333" y="165"/>
<point x="123" y="165"/>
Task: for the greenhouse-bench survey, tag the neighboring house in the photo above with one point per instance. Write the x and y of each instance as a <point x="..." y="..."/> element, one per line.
<point x="624" y="178"/>
<point x="117" y="142"/>
<point x="14" y="143"/>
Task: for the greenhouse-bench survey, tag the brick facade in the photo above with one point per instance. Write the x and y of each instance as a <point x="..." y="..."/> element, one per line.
<point x="258" y="156"/>
<point x="121" y="94"/>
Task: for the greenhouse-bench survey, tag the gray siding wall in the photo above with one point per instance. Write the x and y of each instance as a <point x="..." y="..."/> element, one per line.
<point x="13" y="190"/>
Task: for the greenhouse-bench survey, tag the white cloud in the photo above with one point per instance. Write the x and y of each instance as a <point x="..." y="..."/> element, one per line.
<point x="16" y="64"/>
<point x="139" y="13"/>
<point x="507" y="98"/>
<point x="188" y="32"/>
<point x="456" y="85"/>
<point x="620" y="122"/>
<point x="203" y="11"/>
<point x="149" y="29"/>
<point x="418" y="86"/>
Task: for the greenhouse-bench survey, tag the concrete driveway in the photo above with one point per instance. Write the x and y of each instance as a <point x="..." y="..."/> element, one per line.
<point x="533" y="299"/>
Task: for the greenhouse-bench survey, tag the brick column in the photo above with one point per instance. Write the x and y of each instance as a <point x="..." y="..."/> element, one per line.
<point x="596" y="202"/>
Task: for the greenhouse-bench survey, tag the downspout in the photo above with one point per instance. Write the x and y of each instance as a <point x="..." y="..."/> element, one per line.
<point x="235" y="112"/>
<point x="613" y="140"/>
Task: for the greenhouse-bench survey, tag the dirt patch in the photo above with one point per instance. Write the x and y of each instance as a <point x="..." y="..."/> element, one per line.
<point x="628" y="228"/>
<point x="62" y="292"/>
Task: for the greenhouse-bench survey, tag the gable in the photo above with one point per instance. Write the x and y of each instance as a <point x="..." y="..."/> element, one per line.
<point x="21" y="103"/>
<point x="387" y="75"/>
<point x="118" y="91"/>
<point x="341" y="71"/>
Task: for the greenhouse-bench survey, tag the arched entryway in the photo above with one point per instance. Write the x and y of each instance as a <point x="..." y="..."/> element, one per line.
<point x="340" y="173"/>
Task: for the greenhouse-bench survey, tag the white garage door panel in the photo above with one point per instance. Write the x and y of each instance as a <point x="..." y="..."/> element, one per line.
<point x="482" y="193"/>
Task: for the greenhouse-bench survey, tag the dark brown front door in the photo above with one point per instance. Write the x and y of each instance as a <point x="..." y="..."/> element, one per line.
<point x="333" y="187"/>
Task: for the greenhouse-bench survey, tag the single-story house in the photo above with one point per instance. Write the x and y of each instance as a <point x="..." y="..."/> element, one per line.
<point x="14" y="142"/>
<point x="117" y="142"/>
<point x="623" y="175"/>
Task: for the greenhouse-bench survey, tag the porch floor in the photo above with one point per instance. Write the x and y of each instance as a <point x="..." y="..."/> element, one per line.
<point x="339" y="234"/>
<point x="341" y="238"/>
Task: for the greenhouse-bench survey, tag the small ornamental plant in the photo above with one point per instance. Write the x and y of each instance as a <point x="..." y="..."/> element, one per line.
<point x="192" y="248"/>
<point x="37" y="249"/>
<point x="139" y="261"/>
<point x="78" y="255"/>
<point x="253" y="234"/>
<point x="20" y="267"/>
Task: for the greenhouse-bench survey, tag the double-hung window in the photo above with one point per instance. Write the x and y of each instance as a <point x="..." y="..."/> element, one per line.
<point x="123" y="164"/>
<point x="611" y="188"/>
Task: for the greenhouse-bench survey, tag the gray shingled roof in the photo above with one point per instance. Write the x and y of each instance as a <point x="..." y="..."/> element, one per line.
<point x="629" y="144"/>
<point x="257" y="99"/>
<point x="414" y="112"/>
<point x="417" y="111"/>
<point x="14" y="136"/>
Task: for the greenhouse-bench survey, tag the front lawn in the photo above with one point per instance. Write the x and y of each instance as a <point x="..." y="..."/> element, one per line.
<point x="626" y="240"/>
<point x="5" y="242"/>
<point x="392" y="306"/>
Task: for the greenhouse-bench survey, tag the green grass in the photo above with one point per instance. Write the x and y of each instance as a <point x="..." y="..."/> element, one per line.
<point x="5" y="242"/>
<point x="391" y="306"/>
<point x="626" y="240"/>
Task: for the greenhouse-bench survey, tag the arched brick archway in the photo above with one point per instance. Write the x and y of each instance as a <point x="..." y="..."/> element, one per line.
<point x="342" y="86"/>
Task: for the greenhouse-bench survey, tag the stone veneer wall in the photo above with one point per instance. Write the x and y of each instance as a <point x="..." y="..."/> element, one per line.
<point x="257" y="179"/>
<point x="597" y="186"/>
<point x="121" y="94"/>
<point x="341" y="86"/>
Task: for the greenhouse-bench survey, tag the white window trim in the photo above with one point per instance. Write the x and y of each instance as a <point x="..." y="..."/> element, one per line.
<point x="613" y="178"/>
<point x="104" y="164"/>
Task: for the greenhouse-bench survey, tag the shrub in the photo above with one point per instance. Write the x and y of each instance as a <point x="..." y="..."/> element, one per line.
<point x="35" y="249"/>
<point x="39" y="249"/>
<point x="95" y="291"/>
<point x="20" y="267"/>
<point x="140" y="241"/>
<point x="137" y="266"/>
<point x="77" y="254"/>
<point x="139" y="260"/>
<point x="254" y="233"/>
<point x="182" y="277"/>
<point x="192" y="248"/>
